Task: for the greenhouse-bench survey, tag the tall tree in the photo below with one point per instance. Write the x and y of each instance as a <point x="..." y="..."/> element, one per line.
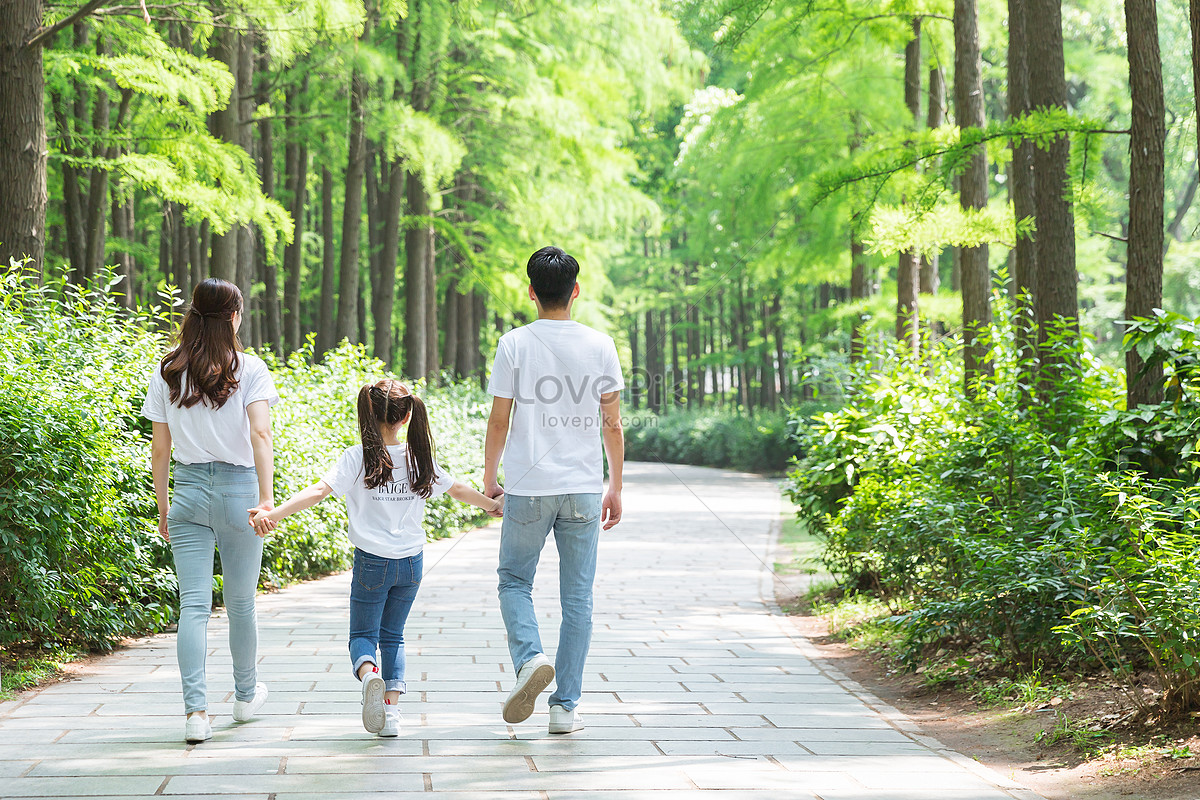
<point x="1056" y="300"/>
<point x="1144" y="273"/>
<point x="1022" y="184"/>
<point x="226" y="126"/>
<point x="935" y="117"/>
<point x="973" y="189"/>
<point x="908" y="276"/>
<point x="296" y="164"/>
<point x="328" y="299"/>
<point x="356" y="163"/>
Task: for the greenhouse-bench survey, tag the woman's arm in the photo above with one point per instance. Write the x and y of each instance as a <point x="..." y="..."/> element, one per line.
<point x="465" y="494"/>
<point x="264" y="452"/>
<point x="265" y="520"/>
<point x="160" y="467"/>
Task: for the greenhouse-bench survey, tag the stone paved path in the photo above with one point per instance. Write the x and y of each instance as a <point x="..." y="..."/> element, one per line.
<point x="696" y="687"/>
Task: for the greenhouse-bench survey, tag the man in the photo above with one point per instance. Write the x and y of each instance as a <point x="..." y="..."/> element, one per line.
<point x="556" y="389"/>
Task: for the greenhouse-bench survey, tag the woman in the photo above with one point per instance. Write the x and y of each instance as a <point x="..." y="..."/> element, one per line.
<point x="210" y="405"/>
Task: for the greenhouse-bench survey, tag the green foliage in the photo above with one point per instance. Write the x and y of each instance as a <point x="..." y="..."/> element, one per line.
<point x="763" y="443"/>
<point x="998" y="523"/>
<point x="80" y="557"/>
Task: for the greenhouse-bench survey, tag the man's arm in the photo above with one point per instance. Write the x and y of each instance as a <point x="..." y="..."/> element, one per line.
<point x="614" y="447"/>
<point x="493" y="447"/>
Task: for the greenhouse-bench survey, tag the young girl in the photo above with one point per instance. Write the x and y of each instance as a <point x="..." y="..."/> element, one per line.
<point x="385" y="484"/>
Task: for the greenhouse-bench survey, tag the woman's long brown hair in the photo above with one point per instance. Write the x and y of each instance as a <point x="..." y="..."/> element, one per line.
<point x="203" y="366"/>
<point x="390" y="403"/>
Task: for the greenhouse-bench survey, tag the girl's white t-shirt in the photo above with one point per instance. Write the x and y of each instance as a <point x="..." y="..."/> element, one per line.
<point x="385" y="521"/>
<point x="203" y="434"/>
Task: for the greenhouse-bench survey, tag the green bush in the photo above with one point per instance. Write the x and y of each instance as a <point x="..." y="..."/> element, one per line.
<point x="763" y="443"/>
<point x="80" y="558"/>
<point x="1054" y="533"/>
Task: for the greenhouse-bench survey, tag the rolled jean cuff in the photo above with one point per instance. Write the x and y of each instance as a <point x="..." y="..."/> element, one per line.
<point x="362" y="660"/>
<point x="395" y="686"/>
<point x="187" y="710"/>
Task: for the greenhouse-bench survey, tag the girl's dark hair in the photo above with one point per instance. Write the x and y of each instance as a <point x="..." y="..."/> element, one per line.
<point x="203" y="366"/>
<point x="389" y="403"/>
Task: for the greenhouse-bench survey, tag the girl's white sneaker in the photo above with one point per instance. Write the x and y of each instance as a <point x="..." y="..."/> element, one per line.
<point x="391" y="722"/>
<point x="197" y="729"/>
<point x="372" y="702"/>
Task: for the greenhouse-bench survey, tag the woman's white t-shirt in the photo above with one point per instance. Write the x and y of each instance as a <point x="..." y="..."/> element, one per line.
<point x="385" y="521"/>
<point x="203" y="434"/>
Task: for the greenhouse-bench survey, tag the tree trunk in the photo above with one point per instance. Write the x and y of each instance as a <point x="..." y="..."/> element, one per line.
<point x="296" y="159"/>
<point x="356" y="161"/>
<point x="325" y="315"/>
<point x="1193" y="17"/>
<point x="224" y="124"/>
<point x="653" y="379"/>
<point x="1055" y="300"/>
<point x="453" y="307"/>
<point x="1144" y="272"/>
<point x="272" y="332"/>
<point x="97" y="197"/>
<point x="777" y="327"/>
<point x="76" y="236"/>
<point x="908" y="278"/>
<point x="972" y="192"/>
<point x="416" y="246"/>
<point x="463" y="362"/>
<point x="383" y="295"/>
<point x="1022" y="187"/>
<point x="935" y="117"/>
<point x="22" y="137"/>
<point x="635" y="366"/>
<point x="432" y="366"/>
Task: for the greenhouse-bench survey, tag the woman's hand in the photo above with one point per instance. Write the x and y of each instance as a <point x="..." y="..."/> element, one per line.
<point x="260" y="520"/>
<point x="162" y="527"/>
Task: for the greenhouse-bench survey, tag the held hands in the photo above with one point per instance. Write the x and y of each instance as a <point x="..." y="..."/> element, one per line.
<point x="260" y="518"/>
<point x="610" y="509"/>
<point x="497" y="510"/>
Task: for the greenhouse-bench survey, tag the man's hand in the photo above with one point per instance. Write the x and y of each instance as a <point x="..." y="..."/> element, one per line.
<point x="162" y="528"/>
<point x="492" y="489"/>
<point x="610" y="509"/>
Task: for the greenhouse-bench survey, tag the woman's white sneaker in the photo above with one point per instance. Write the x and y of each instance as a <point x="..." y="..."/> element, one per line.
<point x="197" y="729"/>
<point x="534" y="676"/>
<point x="391" y="722"/>
<point x="372" y="702"/>
<point x="565" y="720"/>
<point x="243" y="710"/>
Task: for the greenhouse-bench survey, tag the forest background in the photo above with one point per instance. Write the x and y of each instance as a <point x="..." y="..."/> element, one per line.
<point x="961" y="234"/>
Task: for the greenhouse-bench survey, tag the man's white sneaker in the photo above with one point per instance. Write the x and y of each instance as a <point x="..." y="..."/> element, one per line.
<point x="197" y="729"/>
<point x="244" y="710"/>
<point x="391" y="722"/>
<point x="372" y="702"/>
<point x="534" y="676"/>
<point x="565" y="720"/>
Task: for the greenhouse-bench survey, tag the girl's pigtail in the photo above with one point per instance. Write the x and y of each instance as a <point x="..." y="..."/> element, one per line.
<point x="420" y="449"/>
<point x="377" y="462"/>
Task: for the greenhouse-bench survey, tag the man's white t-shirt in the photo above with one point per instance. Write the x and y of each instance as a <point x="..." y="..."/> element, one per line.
<point x="385" y="521"/>
<point x="555" y="372"/>
<point x="203" y="434"/>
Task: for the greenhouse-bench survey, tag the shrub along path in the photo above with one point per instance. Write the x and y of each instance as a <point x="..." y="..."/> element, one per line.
<point x="694" y="683"/>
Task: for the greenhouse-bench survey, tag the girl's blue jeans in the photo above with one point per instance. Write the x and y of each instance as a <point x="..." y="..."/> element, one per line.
<point x="208" y="511"/>
<point x="381" y="595"/>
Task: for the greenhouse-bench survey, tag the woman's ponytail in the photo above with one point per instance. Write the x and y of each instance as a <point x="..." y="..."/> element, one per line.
<point x="420" y="449"/>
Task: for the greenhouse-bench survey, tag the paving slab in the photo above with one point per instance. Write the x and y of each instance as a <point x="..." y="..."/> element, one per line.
<point x="696" y="687"/>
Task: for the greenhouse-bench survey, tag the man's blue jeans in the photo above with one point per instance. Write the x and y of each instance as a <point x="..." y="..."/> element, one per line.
<point x="575" y="520"/>
<point x="381" y="595"/>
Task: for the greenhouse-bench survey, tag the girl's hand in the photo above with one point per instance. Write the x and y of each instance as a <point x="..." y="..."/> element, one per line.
<point x="261" y="520"/>
<point x="162" y="528"/>
<point x="497" y="510"/>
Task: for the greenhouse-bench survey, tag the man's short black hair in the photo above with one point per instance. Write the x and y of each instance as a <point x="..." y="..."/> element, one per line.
<point x="552" y="273"/>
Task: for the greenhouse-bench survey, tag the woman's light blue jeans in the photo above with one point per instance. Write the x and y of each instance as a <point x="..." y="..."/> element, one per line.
<point x="575" y="520"/>
<point x="381" y="595"/>
<point x="208" y="510"/>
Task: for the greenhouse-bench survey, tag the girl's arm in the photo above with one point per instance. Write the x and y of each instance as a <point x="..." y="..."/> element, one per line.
<point x="160" y="467"/>
<point x="265" y="521"/>
<point x="259" y="413"/>
<point x="465" y="494"/>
